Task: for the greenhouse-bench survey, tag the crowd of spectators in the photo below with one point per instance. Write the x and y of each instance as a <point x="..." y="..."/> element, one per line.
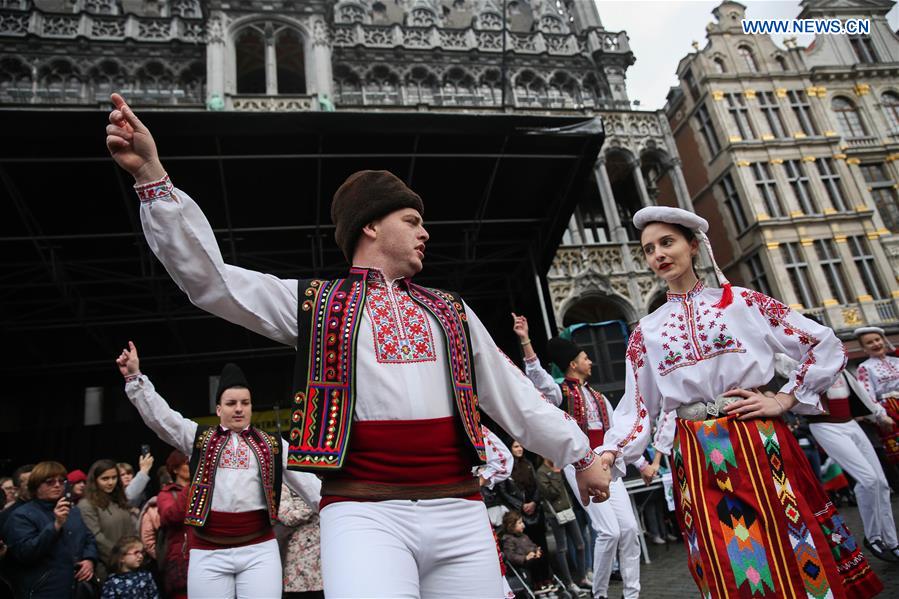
<point x="105" y="534"/>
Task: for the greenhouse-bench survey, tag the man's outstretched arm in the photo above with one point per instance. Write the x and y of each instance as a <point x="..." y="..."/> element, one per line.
<point x="180" y="236"/>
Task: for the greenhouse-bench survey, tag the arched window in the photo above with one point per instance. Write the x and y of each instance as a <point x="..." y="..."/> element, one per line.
<point x="782" y="63"/>
<point x="347" y="86"/>
<point x="191" y="80"/>
<point x="269" y="59"/>
<point x="420" y="86"/>
<point x="106" y="77"/>
<point x="890" y="103"/>
<point x="719" y="65"/>
<point x="458" y="89"/>
<point x="748" y="58"/>
<point x="848" y="119"/>
<point x="563" y="91"/>
<point x="153" y="82"/>
<point x="530" y="90"/>
<point x="490" y="88"/>
<point x="592" y="92"/>
<point x="382" y="86"/>
<point x="15" y="80"/>
<point x="59" y="81"/>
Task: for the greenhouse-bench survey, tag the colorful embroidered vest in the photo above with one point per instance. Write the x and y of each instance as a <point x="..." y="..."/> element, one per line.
<point x="574" y="404"/>
<point x="209" y="443"/>
<point x="328" y="317"/>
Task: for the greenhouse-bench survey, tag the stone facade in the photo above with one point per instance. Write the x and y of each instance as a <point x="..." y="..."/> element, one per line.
<point x="791" y="157"/>
<point x="469" y="56"/>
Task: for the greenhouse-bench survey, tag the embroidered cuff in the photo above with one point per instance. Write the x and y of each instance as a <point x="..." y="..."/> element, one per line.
<point x="154" y="190"/>
<point x="132" y="377"/>
<point x="585" y="462"/>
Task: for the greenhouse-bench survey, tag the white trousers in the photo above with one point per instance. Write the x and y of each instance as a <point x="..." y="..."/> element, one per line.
<point x="429" y="548"/>
<point x="616" y="532"/>
<point x="251" y="572"/>
<point x="849" y="447"/>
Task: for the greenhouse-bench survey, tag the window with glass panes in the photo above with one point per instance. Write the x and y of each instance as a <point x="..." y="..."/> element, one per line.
<point x="832" y="265"/>
<point x="605" y="345"/>
<point x="848" y="118"/>
<point x="732" y="200"/>
<point x="690" y="80"/>
<point x="803" y="112"/>
<point x="767" y="188"/>
<point x="883" y="193"/>
<point x="799" y="183"/>
<point x="797" y="270"/>
<point x="758" y="280"/>
<point x="739" y="114"/>
<point x="864" y="262"/>
<point x="707" y="130"/>
<point x="863" y="48"/>
<point x="748" y="58"/>
<point x="827" y="171"/>
<point x="890" y="103"/>
<point x="771" y="110"/>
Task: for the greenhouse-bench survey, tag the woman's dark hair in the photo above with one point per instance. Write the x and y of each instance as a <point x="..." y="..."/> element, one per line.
<point x="97" y="497"/>
<point x="509" y="520"/>
<point x="119" y="550"/>
<point x="523" y="474"/>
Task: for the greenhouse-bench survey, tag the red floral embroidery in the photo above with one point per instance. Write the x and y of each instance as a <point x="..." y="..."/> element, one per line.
<point x="238" y="459"/>
<point x="636" y="351"/>
<point x="701" y="336"/>
<point x="401" y="329"/>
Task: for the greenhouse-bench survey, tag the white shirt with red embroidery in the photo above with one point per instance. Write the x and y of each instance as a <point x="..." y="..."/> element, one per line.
<point x="400" y="347"/>
<point x="499" y="459"/>
<point x="238" y="486"/>
<point x="688" y="351"/>
<point x="880" y="376"/>
<point x="664" y="436"/>
<point x="842" y="388"/>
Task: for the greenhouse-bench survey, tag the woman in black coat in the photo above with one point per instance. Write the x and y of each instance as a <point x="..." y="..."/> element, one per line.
<point x="50" y="548"/>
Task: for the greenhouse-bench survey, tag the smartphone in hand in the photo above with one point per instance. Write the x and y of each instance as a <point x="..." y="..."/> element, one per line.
<point x="144" y="450"/>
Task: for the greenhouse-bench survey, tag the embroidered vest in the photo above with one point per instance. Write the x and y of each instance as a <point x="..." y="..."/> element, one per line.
<point x="209" y="443"/>
<point x="574" y="404"/>
<point x="328" y="317"/>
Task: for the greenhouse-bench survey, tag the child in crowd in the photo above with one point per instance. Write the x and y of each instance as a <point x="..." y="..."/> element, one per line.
<point x="519" y="550"/>
<point x="129" y="581"/>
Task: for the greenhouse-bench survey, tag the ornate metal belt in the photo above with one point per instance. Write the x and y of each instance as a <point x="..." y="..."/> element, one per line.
<point x="702" y="410"/>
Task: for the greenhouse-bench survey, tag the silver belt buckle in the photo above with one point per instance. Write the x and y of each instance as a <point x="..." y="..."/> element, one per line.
<point x="712" y="409"/>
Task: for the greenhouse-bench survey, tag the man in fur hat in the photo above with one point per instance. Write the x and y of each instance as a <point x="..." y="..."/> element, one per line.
<point x="390" y="378"/>
<point x="232" y="501"/>
<point x="614" y="521"/>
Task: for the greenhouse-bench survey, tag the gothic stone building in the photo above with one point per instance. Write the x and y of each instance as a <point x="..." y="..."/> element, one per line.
<point x="546" y="57"/>
<point x="792" y="159"/>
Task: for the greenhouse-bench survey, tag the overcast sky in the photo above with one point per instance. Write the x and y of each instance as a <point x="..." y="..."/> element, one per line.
<point x="661" y="33"/>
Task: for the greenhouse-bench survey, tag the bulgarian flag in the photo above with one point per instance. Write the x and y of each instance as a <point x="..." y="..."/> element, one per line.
<point x="832" y="476"/>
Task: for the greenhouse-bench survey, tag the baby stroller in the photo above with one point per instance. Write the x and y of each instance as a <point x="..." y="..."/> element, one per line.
<point x="520" y="583"/>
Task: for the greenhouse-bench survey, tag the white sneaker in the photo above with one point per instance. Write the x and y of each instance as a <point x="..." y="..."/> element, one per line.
<point x="657" y="540"/>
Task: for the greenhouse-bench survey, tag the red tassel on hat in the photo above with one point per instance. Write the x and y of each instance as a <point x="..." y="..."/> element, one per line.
<point x="727" y="297"/>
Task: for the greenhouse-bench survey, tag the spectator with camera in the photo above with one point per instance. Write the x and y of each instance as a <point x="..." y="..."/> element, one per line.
<point x="51" y="550"/>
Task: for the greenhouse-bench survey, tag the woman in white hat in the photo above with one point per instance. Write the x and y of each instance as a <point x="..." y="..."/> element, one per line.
<point x="879" y="375"/>
<point x="756" y="521"/>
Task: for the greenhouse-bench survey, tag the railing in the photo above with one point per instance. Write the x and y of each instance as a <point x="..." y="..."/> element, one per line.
<point x="484" y="40"/>
<point x="263" y="103"/>
<point x="862" y="142"/>
<point x="886" y="310"/>
<point x="605" y="258"/>
<point x="101" y="27"/>
<point x="817" y="314"/>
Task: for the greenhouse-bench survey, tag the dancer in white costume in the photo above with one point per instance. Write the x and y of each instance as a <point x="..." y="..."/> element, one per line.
<point x="840" y="436"/>
<point x="390" y="380"/>
<point x="616" y="527"/>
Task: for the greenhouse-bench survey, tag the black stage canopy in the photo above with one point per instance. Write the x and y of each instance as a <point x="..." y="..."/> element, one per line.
<point x="77" y="279"/>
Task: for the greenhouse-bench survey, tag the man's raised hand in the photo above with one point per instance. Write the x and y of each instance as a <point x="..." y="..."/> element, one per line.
<point x="128" y="362"/>
<point x="130" y="143"/>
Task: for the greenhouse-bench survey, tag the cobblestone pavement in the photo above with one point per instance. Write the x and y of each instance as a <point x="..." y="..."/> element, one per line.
<point x="667" y="576"/>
